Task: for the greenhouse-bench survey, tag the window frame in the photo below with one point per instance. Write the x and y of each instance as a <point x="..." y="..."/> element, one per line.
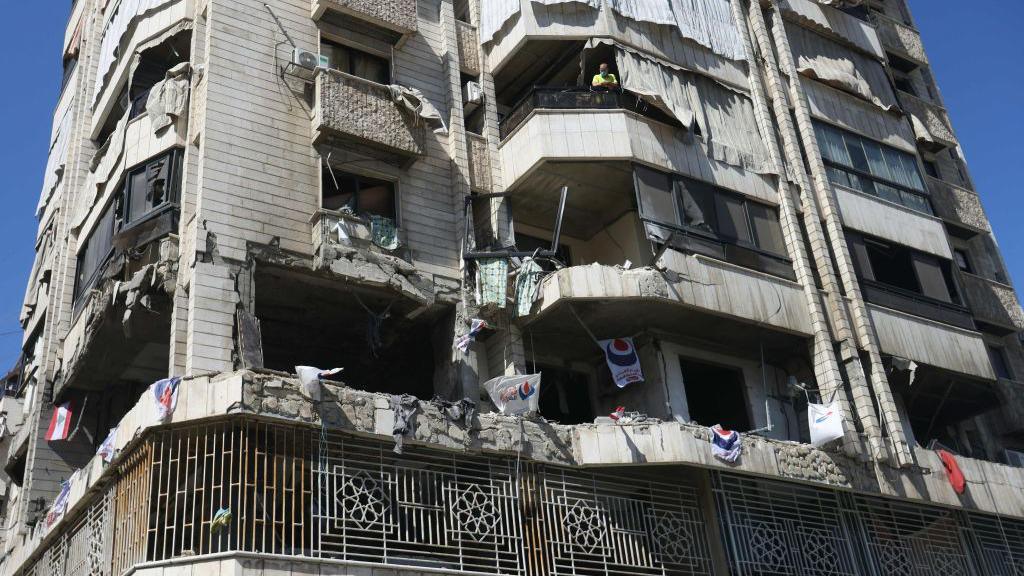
<point x="849" y="170"/>
<point x="999" y="352"/>
<point x="176" y="158"/>
<point x="84" y="283"/>
<point x="351" y="48"/>
<point x="361" y="174"/>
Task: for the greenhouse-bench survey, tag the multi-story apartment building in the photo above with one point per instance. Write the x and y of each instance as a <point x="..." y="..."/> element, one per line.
<point x="767" y="208"/>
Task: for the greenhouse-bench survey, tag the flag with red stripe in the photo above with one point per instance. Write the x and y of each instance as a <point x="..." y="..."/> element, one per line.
<point x="60" y="423"/>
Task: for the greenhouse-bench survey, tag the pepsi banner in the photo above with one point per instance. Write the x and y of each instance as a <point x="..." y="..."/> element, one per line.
<point x="623" y="361"/>
<point x="515" y="395"/>
<point x="825" y="422"/>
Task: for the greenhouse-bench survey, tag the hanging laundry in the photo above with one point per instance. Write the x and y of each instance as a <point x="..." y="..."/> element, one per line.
<point x="309" y="379"/>
<point x="725" y="444"/>
<point x="60" y="504"/>
<point x="165" y="396"/>
<point x="825" y="422"/>
<point x="475" y="327"/>
<point x="60" y="423"/>
<point x="953" y="472"/>
<point x="515" y="395"/>
<point x="383" y="232"/>
<point x="463" y="410"/>
<point x="619" y="414"/>
<point x="221" y="520"/>
<point x="493" y="281"/>
<point x="623" y="361"/>
<point x="527" y="282"/>
<point x="404" y="407"/>
<point x="341" y="232"/>
<point x="106" y="449"/>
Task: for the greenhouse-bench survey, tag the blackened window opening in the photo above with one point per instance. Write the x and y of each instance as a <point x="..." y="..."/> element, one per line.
<point x="357" y="194"/>
<point x="715" y="394"/>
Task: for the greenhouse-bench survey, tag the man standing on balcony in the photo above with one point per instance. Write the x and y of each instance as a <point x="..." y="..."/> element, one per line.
<point x="604" y="78"/>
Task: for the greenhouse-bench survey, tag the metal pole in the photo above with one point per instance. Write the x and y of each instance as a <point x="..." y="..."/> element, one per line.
<point x="558" y="219"/>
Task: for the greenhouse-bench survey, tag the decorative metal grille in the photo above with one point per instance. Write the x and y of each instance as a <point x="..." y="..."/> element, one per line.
<point x="1000" y="543"/>
<point x="783" y="528"/>
<point x="598" y="524"/>
<point x="905" y="539"/>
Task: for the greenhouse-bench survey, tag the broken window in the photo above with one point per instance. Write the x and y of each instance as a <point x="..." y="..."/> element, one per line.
<point x="356" y="62"/>
<point x="711" y="221"/>
<point x="152" y="68"/>
<point x="715" y="394"/>
<point x="94" y="251"/>
<point x="861" y="164"/>
<point x="151" y="187"/>
<point x="565" y="396"/>
<point x="357" y="194"/>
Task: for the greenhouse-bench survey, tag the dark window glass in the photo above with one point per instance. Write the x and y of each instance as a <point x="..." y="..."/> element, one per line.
<point x="698" y="203"/>
<point x="872" y="168"/>
<point x="892" y="265"/>
<point x="999" y="364"/>
<point x="94" y="251"/>
<point x="358" y="194"/>
<point x="732" y="219"/>
<point x="356" y="62"/>
<point x="962" y="261"/>
<point x="767" y="229"/>
<point x="151" y="186"/>
<point x="931" y="169"/>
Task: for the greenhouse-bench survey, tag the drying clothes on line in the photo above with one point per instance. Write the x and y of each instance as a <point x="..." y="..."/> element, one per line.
<point x="527" y="282"/>
<point x="165" y="397"/>
<point x="60" y="423"/>
<point x="953" y="472"/>
<point x="492" y="279"/>
<point x="383" y="232"/>
<point x="515" y="395"/>
<point x="463" y="410"/>
<point x="309" y="380"/>
<point x="725" y="444"/>
<point x="168" y="99"/>
<point x="623" y="361"/>
<point x="221" y="520"/>
<point x="825" y="422"/>
<point x="106" y="451"/>
<point x="475" y="327"/>
<point x="404" y="407"/>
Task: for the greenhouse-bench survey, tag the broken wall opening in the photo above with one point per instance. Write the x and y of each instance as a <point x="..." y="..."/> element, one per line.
<point x="385" y="342"/>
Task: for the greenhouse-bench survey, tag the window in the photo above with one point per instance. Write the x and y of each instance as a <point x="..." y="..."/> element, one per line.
<point x="962" y="261"/>
<point x="872" y="168"/>
<point x="151" y="187"/>
<point x="715" y="395"/>
<point x="892" y="265"/>
<point x="358" y="194"/>
<point x="731" y="218"/>
<point x="94" y="251"/>
<point x="356" y="62"/>
<point x="930" y="168"/>
<point x="903" y="82"/>
<point x="900" y="267"/>
<point x="565" y="396"/>
<point x="999" y="364"/>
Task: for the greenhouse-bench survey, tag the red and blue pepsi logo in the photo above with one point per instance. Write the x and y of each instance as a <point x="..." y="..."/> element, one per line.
<point x="823" y="417"/>
<point x="620" y="352"/>
<point x="526" y="390"/>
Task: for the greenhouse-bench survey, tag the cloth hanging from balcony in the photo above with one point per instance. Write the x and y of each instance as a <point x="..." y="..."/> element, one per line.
<point x="404" y="407"/>
<point x="623" y="361"/>
<point x="57" y="159"/>
<point x="60" y="503"/>
<point x="168" y="99"/>
<point x="75" y="43"/>
<point x="476" y="326"/>
<point x="656" y="11"/>
<point x="60" y="423"/>
<point x="825" y="422"/>
<point x="824" y="19"/>
<point x="515" y="395"/>
<point x="383" y="232"/>
<point x="671" y="89"/>
<point x="725" y="444"/>
<point x="463" y="410"/>
<point x="922" y="134"/>
<point x="309" y="380"/>
<point x="842" y="68"/>
<point x="492" y="281"/>
<point x="107" y="450"/>
<point x="953" y="472"/>
<point x="493" y="15"/>
<point x="527" y="282"/>
<point x="415" y="103"/>
<point x="165" y="397"/>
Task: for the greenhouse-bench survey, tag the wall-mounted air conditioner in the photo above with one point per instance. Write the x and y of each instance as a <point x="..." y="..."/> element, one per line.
<point x="472" y="96"/>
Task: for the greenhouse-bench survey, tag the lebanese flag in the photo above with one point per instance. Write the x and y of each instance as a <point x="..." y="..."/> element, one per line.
<point x="60" y="423"/>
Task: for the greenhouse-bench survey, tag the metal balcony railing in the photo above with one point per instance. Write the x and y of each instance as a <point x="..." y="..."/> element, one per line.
<point x="577" y="98"/>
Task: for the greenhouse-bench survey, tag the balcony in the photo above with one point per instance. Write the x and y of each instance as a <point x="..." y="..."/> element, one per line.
<point x="468" y="39"/>
<point x="933" y="118"/>
<point x="396" y="15"/>
<point x="958" y="206"/>
<point x="886" y="219"/>
<point x="360" y="113"/>
<point x="937" y="344"/>
<point x="994" y="305"/>
<point x="900" y="38"/>
<point x="916" y="304"/>
<point x="479" y="162"/>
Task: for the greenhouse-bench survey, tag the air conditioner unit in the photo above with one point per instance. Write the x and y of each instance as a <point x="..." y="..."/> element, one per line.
<point x="1014" y="458"/>
<point x="308" y="60"/>
<point x="472" y="96"/>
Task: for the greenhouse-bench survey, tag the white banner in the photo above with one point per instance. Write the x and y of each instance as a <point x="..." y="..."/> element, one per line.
<point x="515" y="395"/>
<point x="623" y="361"/>
<point x="825" y="422"/>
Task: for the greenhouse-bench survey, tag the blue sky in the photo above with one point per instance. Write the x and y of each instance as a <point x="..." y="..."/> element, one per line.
<point x="975" y="53"/>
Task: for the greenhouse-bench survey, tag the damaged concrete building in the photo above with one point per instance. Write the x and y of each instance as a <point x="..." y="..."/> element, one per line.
<point x="773" y="330"/>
